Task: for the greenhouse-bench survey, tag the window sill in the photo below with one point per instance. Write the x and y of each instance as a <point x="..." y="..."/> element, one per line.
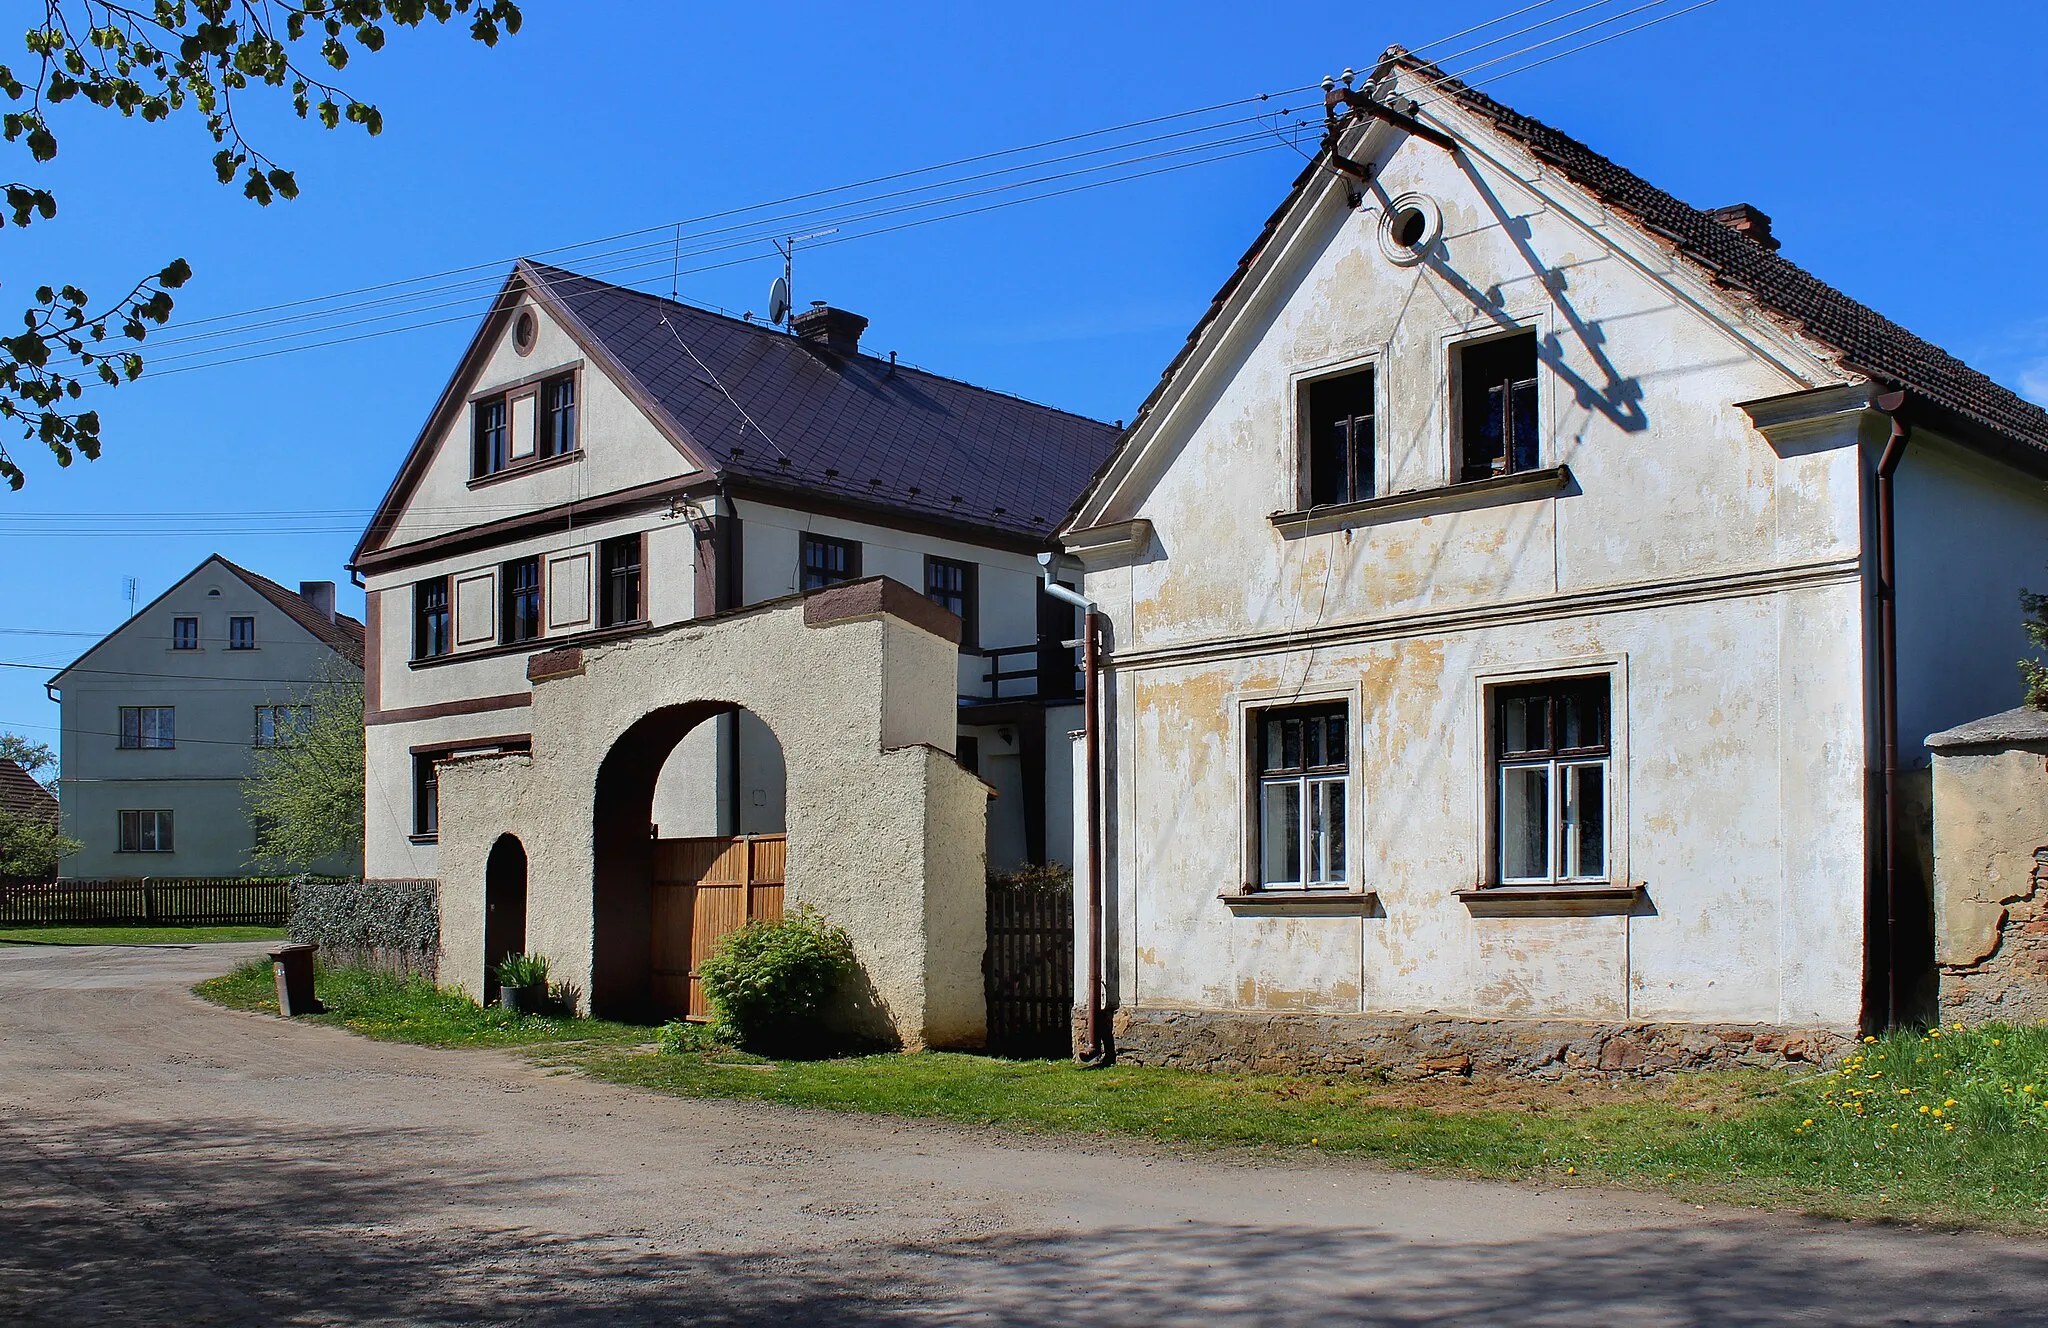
<point x="1552" y="901"/>
<point x="1500" y="489"/>
<point x="423" y="839"/>
<point x="1303" y="903"/>
<point x="518" y="468"/>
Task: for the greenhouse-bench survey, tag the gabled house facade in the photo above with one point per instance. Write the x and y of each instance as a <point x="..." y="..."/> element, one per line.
<point x="1523" y="601"/>
<point x="605" y="463"/>
<point x="161" y="718"/>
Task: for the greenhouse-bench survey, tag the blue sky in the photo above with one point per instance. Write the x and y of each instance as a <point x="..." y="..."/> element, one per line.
<point x="1896" y="145"/>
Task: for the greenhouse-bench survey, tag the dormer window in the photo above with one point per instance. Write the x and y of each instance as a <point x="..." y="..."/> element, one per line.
<point x="1497" y="418"/>
<point x="491" y="449"/>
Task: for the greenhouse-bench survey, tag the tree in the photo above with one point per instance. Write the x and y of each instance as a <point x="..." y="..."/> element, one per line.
<point x="2033" y="673"/>
<point x="30" y="756"/>
<point x="156" y="60"/>
<point x="305" y="794"/>
<point x="30" y="846"/>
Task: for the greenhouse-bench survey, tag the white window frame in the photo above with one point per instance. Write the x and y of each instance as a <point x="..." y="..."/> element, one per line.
<point x="1244" y="736"/>
<point x="1488" y="791"/>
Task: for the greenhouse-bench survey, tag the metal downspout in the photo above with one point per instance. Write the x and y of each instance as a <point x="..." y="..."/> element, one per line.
<point x="1888" y="691"/>
<point x="1091" y="728"/>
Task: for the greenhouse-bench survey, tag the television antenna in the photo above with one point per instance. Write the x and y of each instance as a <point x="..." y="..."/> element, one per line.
<point x="780" y="295"/>
<point x="131" y="590"/>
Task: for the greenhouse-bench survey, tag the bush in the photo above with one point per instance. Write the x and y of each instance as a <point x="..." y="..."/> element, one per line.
<point x="523" y="970"/>
<point x="367" y="915"/>
<point x="770" y="980"/>
<point x="678" y="1036"/>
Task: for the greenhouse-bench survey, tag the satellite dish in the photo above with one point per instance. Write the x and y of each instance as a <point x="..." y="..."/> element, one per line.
<point x="778" y="300"/>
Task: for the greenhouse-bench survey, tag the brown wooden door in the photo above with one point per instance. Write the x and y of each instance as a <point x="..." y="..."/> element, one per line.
<point x="703" y="891"/>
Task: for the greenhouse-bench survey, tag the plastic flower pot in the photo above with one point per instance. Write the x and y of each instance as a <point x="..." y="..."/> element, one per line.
<point x="523" y="1000"/>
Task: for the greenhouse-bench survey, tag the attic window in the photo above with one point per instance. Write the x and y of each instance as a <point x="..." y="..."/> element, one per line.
<point x="1409" y="226"/>
<point x="524" y="331"/>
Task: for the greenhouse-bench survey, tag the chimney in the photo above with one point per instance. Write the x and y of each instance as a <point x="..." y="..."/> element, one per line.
<point x="319" y="594"/>
<point x="1745" y="219"/>
<point x="835" y="329"/>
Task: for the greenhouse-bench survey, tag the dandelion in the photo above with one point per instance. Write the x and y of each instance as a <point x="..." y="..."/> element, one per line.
<point x="1948" y="1127"/>
<point x="1808" y="1121"/>
<point x="1951" y="1102"/>
<point x="1571" y="1171"/>
<point x="1895" y="1125"/>
<point x="1959" y="1028"/>
<point x="1937" y="1111"/>
<point x="1923" y="1111"/>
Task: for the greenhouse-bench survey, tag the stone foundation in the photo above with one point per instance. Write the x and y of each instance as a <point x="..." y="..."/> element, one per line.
<point x="1431" y="1046"/>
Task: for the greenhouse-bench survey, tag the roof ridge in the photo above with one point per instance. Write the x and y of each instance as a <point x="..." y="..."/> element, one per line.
<point x="900" y="366"/>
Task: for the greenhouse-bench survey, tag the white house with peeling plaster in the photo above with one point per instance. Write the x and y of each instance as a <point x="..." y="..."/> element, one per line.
<point x="1513" y="598"/>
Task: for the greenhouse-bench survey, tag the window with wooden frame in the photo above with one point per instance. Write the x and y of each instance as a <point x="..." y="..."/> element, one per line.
<point x="558" y="416"/>
<point x="1552" y="750"/>
<point x="426" y="795"/>
<point x="281" y="725"/>
<point x="490" y="440"/>
<point x="146" y="832"/>
<point x="519" y="606"/>
<point x="955" y="586"/>
<point x="431" y="618"/>
<point x="1301" y="761"/>
<point x="149" y="727"/>
<point x="184" y="634"/>
<point x="619" y="602"/>
<point x="241" y="632"/>
<point x="1338" y="439"/>
<point x="1498" y="415"/>
<point x="829" y="561"/>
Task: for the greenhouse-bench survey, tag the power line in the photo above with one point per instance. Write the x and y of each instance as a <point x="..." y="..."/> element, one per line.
<point x="181" y="677"/>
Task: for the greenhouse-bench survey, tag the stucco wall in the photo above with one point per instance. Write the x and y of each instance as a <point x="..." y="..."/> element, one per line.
<point x="1715" y="579"/>
<point x="1990" y="859"/>
<point x="875" y="829"/>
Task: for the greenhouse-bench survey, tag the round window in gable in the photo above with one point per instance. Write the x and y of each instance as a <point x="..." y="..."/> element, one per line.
<point x="524" y="329"/>
<point x="1409" y="228"/>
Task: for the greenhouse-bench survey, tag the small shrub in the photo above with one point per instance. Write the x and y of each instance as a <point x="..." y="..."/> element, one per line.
<point x="523" y="970"/>
<point x="1053" y="876"/>
<point x="770" y="980"/>
<point x="678" y="1036"/>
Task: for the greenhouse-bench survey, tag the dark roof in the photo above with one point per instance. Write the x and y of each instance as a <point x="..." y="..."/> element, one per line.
<point x="20" y="795"/>
<point x="344" y="635"/>
<point x="1869" y="342"/>
<point x="853" y="428"/>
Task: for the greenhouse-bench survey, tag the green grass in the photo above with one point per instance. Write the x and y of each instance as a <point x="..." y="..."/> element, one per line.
<point x="400" y="1009"/>
<point x="1822" y="1143"/>
<point x="136" y="935"/>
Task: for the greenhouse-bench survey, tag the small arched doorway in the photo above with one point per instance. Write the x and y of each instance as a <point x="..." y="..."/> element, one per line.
<point x="504" y="908"/>
<point x="672" y="878"/>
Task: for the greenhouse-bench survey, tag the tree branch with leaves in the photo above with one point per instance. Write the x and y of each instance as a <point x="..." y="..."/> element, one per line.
<point x="305" y="794"/>
<point x="152" y="62"/>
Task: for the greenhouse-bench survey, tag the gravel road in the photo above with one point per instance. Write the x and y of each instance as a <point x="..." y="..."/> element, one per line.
<point x="166" y="1162"/>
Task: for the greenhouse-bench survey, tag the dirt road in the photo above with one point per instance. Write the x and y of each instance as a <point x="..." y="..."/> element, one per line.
<point x="162" y="1161"/>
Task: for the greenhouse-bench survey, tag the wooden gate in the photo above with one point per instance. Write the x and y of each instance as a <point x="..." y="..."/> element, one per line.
<point x="1028" y="969"/>
<point x="704" y="890"/>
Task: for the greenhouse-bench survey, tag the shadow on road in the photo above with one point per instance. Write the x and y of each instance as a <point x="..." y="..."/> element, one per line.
<point x="202" y="1224"/>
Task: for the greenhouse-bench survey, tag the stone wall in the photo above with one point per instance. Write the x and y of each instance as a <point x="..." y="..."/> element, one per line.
<point x="1990" y="828"/>
<point x="2011" y="982"/>
<point x="1431" y="1046"/>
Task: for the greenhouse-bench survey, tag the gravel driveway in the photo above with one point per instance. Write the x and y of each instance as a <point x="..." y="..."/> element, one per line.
<point x="162" y="1161"/>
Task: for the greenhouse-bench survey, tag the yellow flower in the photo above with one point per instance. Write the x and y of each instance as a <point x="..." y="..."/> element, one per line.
<point x="1870" y="1039"/>
<point x="1808" y="1121"/>
<point x="1997" y="1042"/>
<point x="1923" y="1111"/>
<point x="1951" y="1102"/>
<point x="1959" y="1028"/>
<point x="1937" y="1111"/>
<point x="1895" y="1125"/>
<point x="1571" y="1171"/>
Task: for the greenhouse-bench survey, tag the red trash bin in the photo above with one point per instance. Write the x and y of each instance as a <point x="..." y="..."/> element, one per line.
<point x="293" y="965"/>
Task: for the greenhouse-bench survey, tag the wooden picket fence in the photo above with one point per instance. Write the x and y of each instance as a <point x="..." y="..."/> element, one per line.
<point x="218" y="901"/>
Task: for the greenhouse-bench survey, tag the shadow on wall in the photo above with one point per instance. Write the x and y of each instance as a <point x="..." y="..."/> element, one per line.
<point x="191" y="1224"/>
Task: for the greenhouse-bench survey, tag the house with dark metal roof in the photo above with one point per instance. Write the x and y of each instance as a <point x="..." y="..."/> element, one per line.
<point x="162" y="716"/>
<point x="605" y="463"/>
<point x="1522" y="601"/>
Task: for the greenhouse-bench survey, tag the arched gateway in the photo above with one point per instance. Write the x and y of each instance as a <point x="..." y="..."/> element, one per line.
<point x="885" y="831"/>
